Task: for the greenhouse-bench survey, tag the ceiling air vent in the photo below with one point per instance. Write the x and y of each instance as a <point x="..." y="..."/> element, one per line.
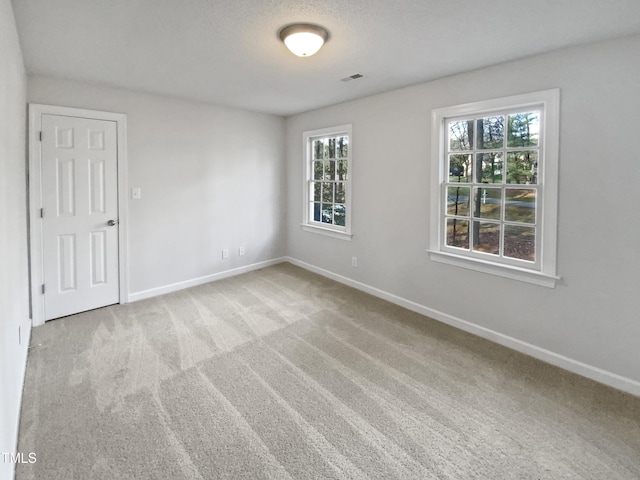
<point x="355" y="76"/>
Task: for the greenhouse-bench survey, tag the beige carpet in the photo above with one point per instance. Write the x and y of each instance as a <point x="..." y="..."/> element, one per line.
<point x="283" y="374"/>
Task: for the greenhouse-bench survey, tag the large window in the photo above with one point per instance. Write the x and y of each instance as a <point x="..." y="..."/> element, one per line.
<point x="327" y="199"/>
<point x="495" y="186"/>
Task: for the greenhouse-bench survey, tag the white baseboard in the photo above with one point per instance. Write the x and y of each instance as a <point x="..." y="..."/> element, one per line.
<point x="594" y="373"/>
<point x="22" y="364"/>
<point x="154" y="292"/>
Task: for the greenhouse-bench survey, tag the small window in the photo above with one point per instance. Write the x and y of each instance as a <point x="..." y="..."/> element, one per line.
<point x="328" y="171"/>
<point x="494" y="186"/>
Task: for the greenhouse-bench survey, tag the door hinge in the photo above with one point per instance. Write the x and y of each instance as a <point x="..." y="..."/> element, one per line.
<point x="40" y="135"/>
<point x="42" y="289"/>
<point x="42" y="213"/>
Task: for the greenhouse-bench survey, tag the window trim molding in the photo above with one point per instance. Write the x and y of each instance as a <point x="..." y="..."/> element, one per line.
<point x="326" y="231"/>
<point x="546" y="274"/>
<point x="343" y="233"/>
<point x="508" y="271"/>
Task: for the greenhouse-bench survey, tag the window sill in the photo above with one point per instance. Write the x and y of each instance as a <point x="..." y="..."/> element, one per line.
<point x="327" y="231"/>
<point x="507" y="271"/>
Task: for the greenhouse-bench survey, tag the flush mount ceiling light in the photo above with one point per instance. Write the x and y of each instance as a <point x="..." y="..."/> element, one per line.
<point x="303" y="39"/>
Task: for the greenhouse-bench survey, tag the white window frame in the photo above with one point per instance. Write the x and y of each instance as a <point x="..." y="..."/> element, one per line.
<point x="308" y="223"/>
<point x="543" y="271"/>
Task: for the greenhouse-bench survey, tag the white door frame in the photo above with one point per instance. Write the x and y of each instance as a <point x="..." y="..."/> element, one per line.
<point x="35" y="199"/>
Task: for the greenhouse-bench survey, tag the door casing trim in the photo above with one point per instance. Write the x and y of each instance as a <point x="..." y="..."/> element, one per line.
<point x="35" y="200"/>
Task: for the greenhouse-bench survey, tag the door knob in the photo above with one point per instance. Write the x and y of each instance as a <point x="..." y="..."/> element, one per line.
<point x="111" y="223"/>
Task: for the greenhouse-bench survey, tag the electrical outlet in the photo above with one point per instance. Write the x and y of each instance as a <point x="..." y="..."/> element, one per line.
<point x="240" y="251"/>
<point x="354" y="261"/>
<point x="225" y="253"/>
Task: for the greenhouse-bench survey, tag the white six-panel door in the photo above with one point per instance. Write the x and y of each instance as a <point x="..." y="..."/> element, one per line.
<point x="79" y="168"/>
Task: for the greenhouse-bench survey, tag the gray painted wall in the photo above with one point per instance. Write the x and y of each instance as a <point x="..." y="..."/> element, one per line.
<point x="211" y="178"/>
<point x="14" y="286"/>
<point x="592" y="316"/>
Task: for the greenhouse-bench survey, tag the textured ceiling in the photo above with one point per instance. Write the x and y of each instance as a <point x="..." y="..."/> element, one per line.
<point x="227" y="51"/>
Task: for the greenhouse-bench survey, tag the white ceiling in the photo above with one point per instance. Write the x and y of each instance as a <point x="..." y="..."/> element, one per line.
<point x="227" y="51"/>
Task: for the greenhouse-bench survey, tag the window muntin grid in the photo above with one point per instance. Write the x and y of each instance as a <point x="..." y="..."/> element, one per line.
<point x="492" y="194"/>
<point x="328" y="179"/>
